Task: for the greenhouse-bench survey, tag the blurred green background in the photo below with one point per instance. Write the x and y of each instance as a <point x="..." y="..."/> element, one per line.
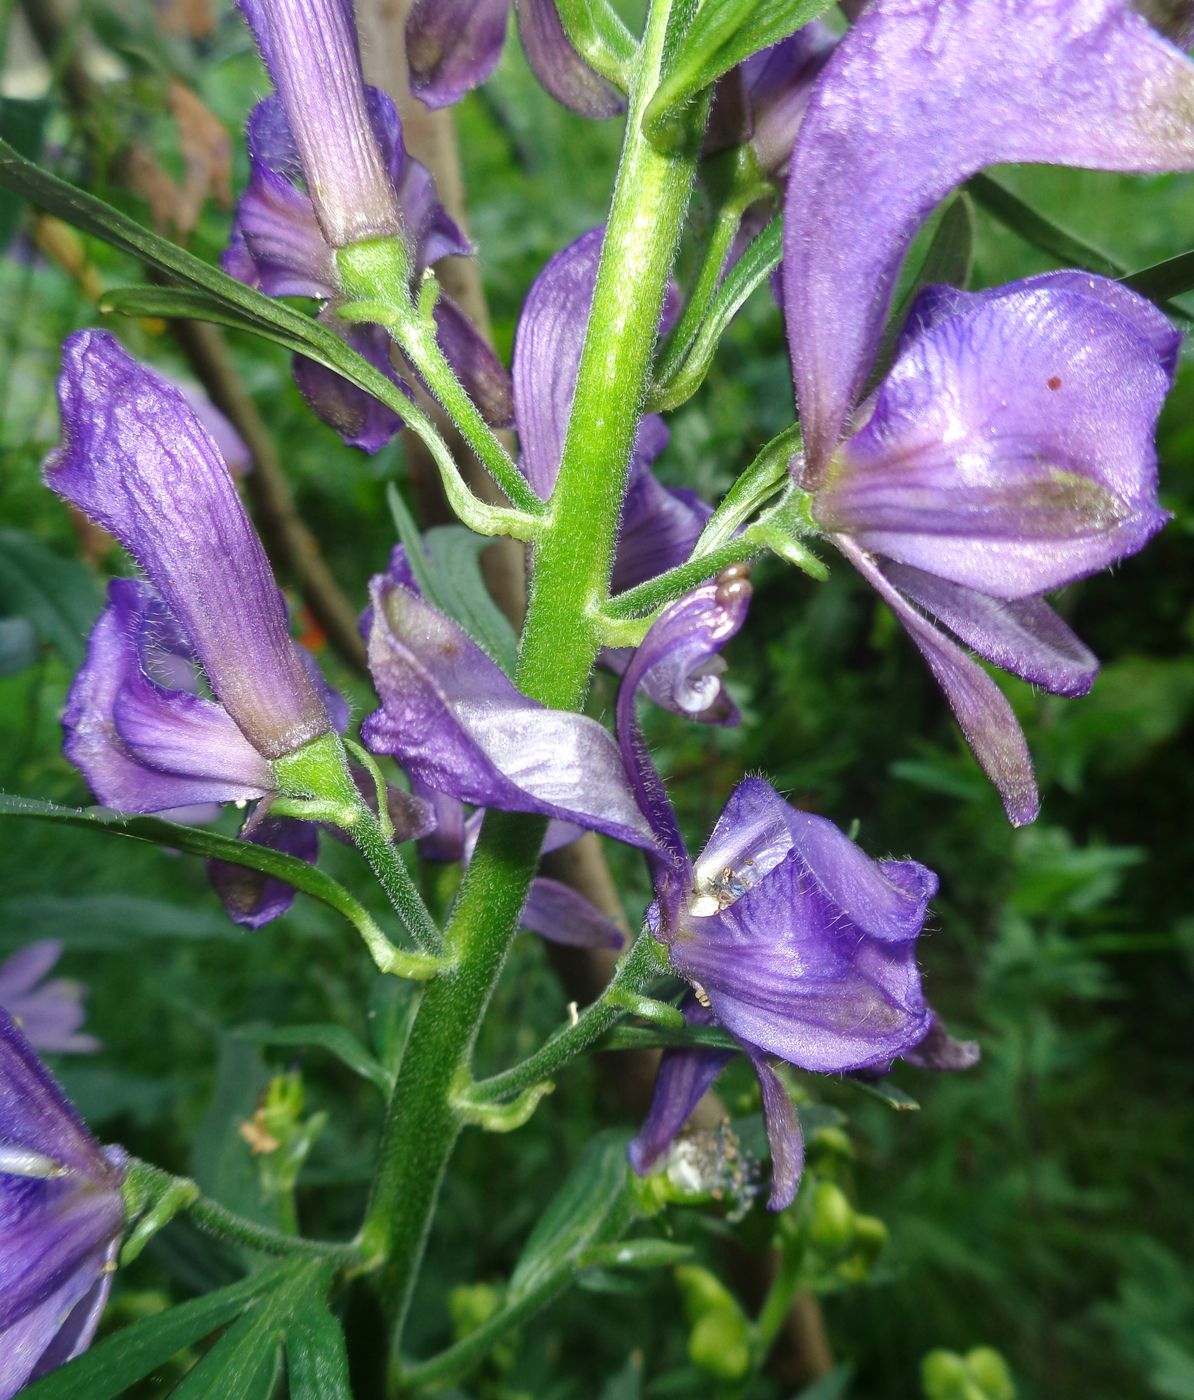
<point x="1039" y="1203"/>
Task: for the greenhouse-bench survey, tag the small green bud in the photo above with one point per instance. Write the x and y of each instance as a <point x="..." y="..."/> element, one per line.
<point x="831" y="1228"/>
<point x="990" y="1371"/>
<point x="943" y="1374"/>
<point x="870" y="1236"/>
<point x="471" y="1305"/>
<point x="702" y="1291"/>
<point x="720" y="1344"/>
<point x="832" y="1142"/>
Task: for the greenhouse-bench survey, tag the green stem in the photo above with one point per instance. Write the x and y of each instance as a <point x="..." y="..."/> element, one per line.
<point x="636" y="968"/>
<point x="571" y="562"/>
<point x="647" y="598"/>
<point x="154" y="1185"/>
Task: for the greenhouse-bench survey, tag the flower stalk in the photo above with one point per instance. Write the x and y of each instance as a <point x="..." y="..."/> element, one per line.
<point x="572" y="559"/>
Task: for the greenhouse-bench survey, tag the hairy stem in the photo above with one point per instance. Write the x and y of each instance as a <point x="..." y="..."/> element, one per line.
<point x="571" y="561"/>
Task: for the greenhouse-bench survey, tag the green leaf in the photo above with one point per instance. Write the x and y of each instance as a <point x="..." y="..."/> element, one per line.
<point x="109" y="920"/>
<point x="756" y="264"/>
<point x="883" y="1090"/>
<point x="196" y="841"/>
<point x="221" y="1162"/>
<point x="209" y="293"/>
<point x="446" y="563"/>
<point x="1041" y="232"/>
<point x="650" y="1037"/>
<point x="578" y="1214"/>
<point x="245" y="1361"/>
<point x="325" y="1036"/>
<point x="1164" y="279"/>
<point x="316" y="1356"/>
<point x="18" y="645"/>
<point x="942" y="253"/>
<point x="110" y="1367"/>
<point x="59" y="597"/>
<point x="598" y="33"/>
<point x="831" y="1386"/>
<point x="636" y="1254"/>
<point x="454" y="556"/>
<point x="721" y="34"/>
<point x="23" y="123"/>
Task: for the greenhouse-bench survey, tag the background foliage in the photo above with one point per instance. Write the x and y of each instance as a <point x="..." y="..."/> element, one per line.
<point x="1038" y="1204"/>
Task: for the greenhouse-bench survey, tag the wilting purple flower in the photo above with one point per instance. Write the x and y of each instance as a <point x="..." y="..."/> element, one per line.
<point x="797" y="943"/>
<point x="454" y="45"/>
<point x="1010" y="449"/>
<point x="61" y="1215"/>
<point x="49" y="1013"/>
<point x="135" y="458"/>
<point x="280" y="241"/>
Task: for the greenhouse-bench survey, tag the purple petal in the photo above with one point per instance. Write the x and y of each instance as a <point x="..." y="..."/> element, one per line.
<point x="939" y="1050"/>
<point x="783" y="1133"/>
<point x="21" y="972"/>
<point x="452" y="46"/>
<point x="124" y="731"/>
<point x="250" y="897"/>
<point x="1025" y="637"/>
<point x="458" y="724"/>
<point x="36" y="1117"/>
<point x="137" y="460"/>
<point x="547" y="346"/>
<point x="558" y="66"/>
<point x="684" y="1077"/>
<point x="229" y="443"/>
<point x="1010" y="449"/>
<point x="556" y="912"/>
<point x="752" y="836"/>
<point x="360" y="419"/>
<point x="277" y="244"/>
<point x="980" y="707"/>
<point x="787" y="970"/>
<point x="310" y="49"/>
<point x="475" y="362"/>
<point x="660" y="525"/>
<point x="59" y="1325"/>
<point x="445" y="842"/>
<point x="675" y="659"/>
<point x="888" y="133"/>
<point x="49" y="1015"/>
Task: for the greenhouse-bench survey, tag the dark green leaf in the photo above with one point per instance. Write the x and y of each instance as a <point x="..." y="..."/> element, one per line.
<point x="236" y="304"/>
<point x="221" y="1162"/>
<point x="721" y="34"/>
<point x="59" y="597"/>
<point x="195" y="841"/>
<point x="18" y="645"/>
<point x="108" y="920"/>
<point x="636" y="1254"/>
<point x="577" y="1215"/>
<point x="109" y="1368"/>
<point x="884" y="1091"/>
<point x="454" y="556"/>
<point x="756" y="264"/>
<point x="831" y="1386"/>
<point x="1164" y="279"/>
<point x="334" y="1039"/>
<point x="942" y="253"/>
<point x="22" y="122"/>
<point x="1041" y="232"/>
<point x="316" y="1357"/>
<point x="648" y="1037"/>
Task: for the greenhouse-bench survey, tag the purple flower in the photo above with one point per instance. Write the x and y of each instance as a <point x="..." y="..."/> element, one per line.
<point x="1010" y="449"/>
<point x="454" y="45"/>
<point x="761" y="102"/>
<point x="792" y="939"/>
<point x="135" y="458"/>
<point x="138" y="722"/>
<point x="49" y="1013"/>
<point x="61" y="1214"/>
<point x="280" y="241"/>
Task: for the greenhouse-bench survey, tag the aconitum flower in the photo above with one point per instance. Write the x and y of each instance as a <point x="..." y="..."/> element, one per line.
<point x="454" y="45"/>
<point x="137" y="460"/>
<point x="48" y="1013"/>
<point x="284" y="240"/>
<point x="792" y="939"/>
<point x="61" y="1215"/>
<point x="1010" y="449"/>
